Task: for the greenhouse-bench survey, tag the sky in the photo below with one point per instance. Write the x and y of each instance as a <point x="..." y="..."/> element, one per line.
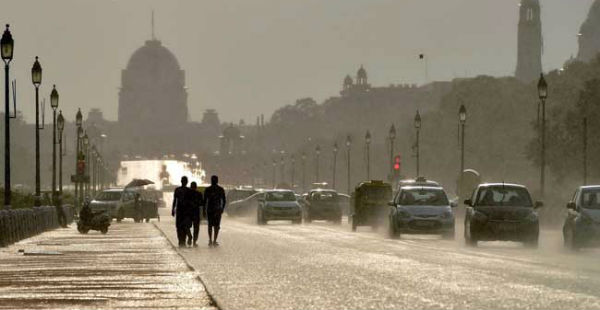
<point x="247" y="57"/>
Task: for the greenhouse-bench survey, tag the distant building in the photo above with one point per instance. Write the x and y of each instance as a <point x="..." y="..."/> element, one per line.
<point x="589" y="34"/>
<point x="530" y="41"/>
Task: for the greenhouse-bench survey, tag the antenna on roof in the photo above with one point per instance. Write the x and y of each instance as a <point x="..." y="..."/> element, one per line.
<point x="152" y="24"/>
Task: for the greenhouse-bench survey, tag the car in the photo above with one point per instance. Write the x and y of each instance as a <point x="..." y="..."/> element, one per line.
<point x="369" y="203"/>
<point x="278" y="204"/>
<point x="421" y="210"/>
<point x="238" y="194"/>
<point x="582" y="225"/>
<point x="502" y="211"/>
<point x="117" y="202"/>
<point x="420" y="181"/>
<point x="244" y="207"/>
<point x="322" y="204"/>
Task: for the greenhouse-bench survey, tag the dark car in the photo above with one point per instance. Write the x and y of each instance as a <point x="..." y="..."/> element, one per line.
<point x="369" y="204"/>
<point x="582" y="225"/>
<point x="244" y="207"/>
<point x="421" y="210"/>
<point x="498" y="211"/>
<point x="322" y="204"/>
<point x="278" y="205"/>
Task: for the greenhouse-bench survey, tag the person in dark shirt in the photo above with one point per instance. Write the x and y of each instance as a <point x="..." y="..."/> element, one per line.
<point x="197" y="204"/>
<point x="214" y="204"/>
<point x="183" y="211"/>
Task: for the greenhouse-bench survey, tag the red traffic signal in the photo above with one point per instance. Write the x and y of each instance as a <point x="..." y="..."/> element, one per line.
<point x="397" y="161"/>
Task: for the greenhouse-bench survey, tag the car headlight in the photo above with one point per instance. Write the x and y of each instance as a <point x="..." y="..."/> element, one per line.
<point x="532" y="217"/>
<point x="447" y="215"/>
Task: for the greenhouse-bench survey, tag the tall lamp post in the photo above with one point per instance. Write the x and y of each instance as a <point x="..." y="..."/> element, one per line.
<point x="462" y="118"/>
<point x="368" y="148"/>
<point x="543" y="94"/>
<point x="6" y="50"/>
<point x="418" y="128"/>
<point x="36" y="78"/>
<point x="60" y="125"/>
<point x="293" y="172"/>
<point x="392" y="137"/>
<point x="348" y="144"/>
<point x="304" y="171"/>
<point x="274" y="173"/>
<point x="585" y="147"/>
<point x="79" y="134"/>
<point x="335" y="151"/>
<point x="317" y="155"/>
<point x="54" y="105"/>
<point x="86" y="152"/>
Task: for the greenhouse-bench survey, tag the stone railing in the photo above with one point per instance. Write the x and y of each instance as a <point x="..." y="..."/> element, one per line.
<point x="19" y="224"/>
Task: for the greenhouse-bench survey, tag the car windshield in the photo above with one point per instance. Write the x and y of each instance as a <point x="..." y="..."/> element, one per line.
<point x="591" y="199"/>
<point x="325" y="196"/>
<point x="423" y="197"/>
<point x="281" y="196"/>
<point x="109" y="196"/>
<point x="504" y="196"/>
<point x="377" y="193"/>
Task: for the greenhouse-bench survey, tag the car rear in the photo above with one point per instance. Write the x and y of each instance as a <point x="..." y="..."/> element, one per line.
<point x="423" y="210"/>
<point x="281" y="205"/>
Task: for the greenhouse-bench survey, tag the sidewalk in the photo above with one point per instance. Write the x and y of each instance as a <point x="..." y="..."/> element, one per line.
<point x="133" y="266"/>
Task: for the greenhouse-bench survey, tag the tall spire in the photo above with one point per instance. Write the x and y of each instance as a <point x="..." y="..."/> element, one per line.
<point x="530" y="41"/>
<point x="152" y="24"/>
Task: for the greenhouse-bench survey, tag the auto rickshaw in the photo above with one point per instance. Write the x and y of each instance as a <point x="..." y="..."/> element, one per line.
<point x="369" y="204"/>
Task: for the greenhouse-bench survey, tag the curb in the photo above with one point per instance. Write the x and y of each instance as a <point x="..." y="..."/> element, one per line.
<point x="213" y="300"/>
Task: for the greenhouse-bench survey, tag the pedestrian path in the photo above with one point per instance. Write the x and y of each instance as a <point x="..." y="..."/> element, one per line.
<point x="133" y="266"/>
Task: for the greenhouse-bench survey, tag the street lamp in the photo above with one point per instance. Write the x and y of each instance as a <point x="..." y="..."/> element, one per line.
<point x="335" y="151"/>
<point x="60" y="125"/>
<point x="293" y="161"/>
<point x="304" y="171"/>
<point x="54" y="105"/>
<point x="36" y="79"/>
<point x="317" y="155"/>
<point x="368" y="147"/>
<point x="274" y="173"/>
<point x="543" y="94"/>
<point x="392" y="137"/>
<point x="418" y="128"/>
<point x="6" y="51"/>
<point x="348" y="144"/>
<point x="79" y="135"/>
<point x="86" y="152"/>
<point x="462" y="118"/>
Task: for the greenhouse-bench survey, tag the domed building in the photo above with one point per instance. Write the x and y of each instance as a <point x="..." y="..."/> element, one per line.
<point x="589" y="34"/>
<point x="153" y="107"/>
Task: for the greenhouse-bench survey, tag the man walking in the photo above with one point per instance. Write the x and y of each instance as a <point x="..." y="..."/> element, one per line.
<point x="182" y="210"/>
<point x="197" y="204"/>
<point x="214" y="204"/>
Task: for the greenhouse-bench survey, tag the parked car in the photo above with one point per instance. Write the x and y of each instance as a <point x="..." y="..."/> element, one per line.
<point x="118" y="203"/>
<point x="322" y="204"/>
<point x="499" y="211"/>
<point x="278" y="205"/>
<point x="582" y="225"/>
<point x="369" y="204"/>
<point x="421" y="210"/>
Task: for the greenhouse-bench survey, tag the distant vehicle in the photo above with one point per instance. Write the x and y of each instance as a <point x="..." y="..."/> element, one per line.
<point x="244" y="207"/>
<point x="278" y="205"/>
<point x="582" y="225"/>
<point x="322" y="204"/>
<point x="421" y="210"/>
<point x="498" y="211"/>
<point x="239" y="193"/>
<point x="369" y="204"/>
<point x="420" y="181"/>
<point x="118" y="203"/>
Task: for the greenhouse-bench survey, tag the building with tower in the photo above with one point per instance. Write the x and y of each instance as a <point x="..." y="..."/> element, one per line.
<point x="589" y="34"/>
<point x="530" y="41"/>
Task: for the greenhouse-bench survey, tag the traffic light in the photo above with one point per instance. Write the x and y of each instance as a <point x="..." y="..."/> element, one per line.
<point x="397" y="165"/>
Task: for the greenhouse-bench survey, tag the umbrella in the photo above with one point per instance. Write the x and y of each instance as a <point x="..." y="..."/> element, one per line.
<point x="139" y="182"/>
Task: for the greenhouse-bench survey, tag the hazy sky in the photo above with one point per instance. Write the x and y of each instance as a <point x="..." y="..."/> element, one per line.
<point x="246" y="57"/>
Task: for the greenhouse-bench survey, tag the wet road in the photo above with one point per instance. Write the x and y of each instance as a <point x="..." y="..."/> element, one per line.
<point x="322" y="266"/>
<point x="133" y="266"/>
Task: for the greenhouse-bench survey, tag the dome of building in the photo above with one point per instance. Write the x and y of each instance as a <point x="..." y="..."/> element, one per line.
<point x="589" y="34"/>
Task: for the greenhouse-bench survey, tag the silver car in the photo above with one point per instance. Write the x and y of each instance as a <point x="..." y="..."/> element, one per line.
<point x="278" y="205"/>
<point x="117" y="202"/>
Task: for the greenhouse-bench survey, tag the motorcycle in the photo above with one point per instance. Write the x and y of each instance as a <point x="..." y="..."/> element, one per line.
<point x="89" y="220"/>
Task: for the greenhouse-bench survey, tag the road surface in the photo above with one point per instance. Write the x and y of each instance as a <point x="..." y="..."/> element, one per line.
<point x="323" y="266"/>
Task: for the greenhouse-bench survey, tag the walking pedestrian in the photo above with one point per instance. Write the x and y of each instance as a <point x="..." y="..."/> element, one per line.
<point x="197" y="205"/>
<point x="214" y="204"/>
<point x="182" y="211"/>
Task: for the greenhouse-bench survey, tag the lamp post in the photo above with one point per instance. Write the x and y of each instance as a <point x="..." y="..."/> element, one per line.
<point x="60" y="125"/>
<point x="79" y="134"/>
<point x="293" y="172"/>
<point x="368" y="149"/>
<point x="274" y="173"/>
<point x="462" y="118"/>
<point x="54" y="105"/>
<point x="418" y="128"/>
<point x="348" y="144"/>
<point x="304" y="171"/>
<point x="543" y="94"/>
<point x="6" y="51"/>
<point x="317" y="155"/>
<point x="392" y="137"/>
<point x="335" y="151"/>
<point x="282" y="167"/>
<point x="585" y="146"/>
<point x="86" y="152"/>
<point x="36" y="78"/>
